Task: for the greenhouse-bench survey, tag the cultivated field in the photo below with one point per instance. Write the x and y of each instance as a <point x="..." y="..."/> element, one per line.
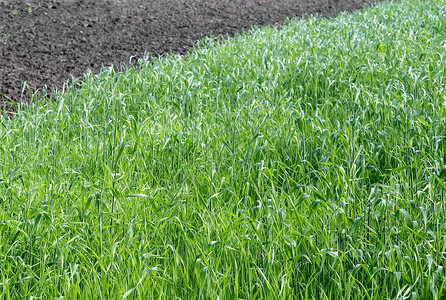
<point x="306" y="162"/>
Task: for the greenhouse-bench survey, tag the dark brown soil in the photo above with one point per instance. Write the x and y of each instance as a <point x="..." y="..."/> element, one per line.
<point x="45" y="43"/>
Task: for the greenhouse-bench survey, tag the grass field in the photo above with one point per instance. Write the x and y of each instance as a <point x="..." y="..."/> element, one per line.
<point x="300" y="163"/>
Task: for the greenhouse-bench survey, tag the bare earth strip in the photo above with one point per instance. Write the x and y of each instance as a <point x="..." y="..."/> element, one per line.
<point x="44" y="43"/>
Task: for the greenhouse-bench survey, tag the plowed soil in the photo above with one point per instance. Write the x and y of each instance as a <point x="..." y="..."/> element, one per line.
<point x="45" y="43"/>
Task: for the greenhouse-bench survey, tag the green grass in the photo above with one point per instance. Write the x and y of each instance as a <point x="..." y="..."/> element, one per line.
<point x="300" y="163"/>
